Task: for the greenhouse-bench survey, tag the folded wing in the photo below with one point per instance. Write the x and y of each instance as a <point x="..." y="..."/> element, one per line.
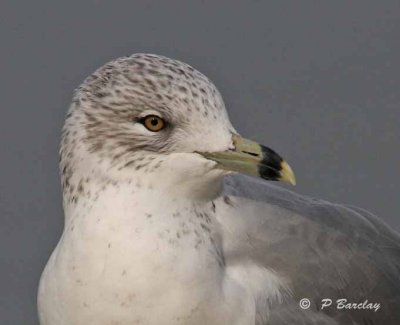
<point x="322" y="250"/>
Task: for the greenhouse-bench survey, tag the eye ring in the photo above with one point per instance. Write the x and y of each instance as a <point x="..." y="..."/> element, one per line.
<point x="153" y="123"/>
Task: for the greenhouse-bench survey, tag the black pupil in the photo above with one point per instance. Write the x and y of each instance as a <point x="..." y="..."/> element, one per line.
<point x="154" y="121"/>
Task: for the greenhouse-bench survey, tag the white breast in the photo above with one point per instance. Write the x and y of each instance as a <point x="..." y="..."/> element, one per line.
<point x="131" y="261"/>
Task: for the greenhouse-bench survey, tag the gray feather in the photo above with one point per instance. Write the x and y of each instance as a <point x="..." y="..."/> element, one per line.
<point x="325" y="250"/>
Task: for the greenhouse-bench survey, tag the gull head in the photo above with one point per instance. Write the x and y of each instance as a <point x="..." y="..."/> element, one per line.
<point x="150" y="119"/>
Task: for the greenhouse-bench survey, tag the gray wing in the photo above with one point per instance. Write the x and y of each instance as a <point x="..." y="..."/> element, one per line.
<point x="325" y="250"/>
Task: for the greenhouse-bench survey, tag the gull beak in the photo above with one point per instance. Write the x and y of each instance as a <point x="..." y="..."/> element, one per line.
<point x="251" y="158"/>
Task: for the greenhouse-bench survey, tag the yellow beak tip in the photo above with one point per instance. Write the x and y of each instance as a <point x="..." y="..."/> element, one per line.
<point x="287" y="174"/>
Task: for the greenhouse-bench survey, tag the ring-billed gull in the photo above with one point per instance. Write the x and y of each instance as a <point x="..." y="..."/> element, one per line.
<point x="161" y="229"/>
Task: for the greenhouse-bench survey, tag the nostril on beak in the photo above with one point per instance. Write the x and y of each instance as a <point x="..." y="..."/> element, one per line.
<point x="252" y="153"/>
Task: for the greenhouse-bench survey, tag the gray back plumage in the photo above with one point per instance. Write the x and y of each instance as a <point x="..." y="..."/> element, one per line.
<point x="325" y="250"/>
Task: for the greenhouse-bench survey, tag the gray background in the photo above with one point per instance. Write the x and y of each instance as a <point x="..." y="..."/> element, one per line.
<point x="316" y="80"/>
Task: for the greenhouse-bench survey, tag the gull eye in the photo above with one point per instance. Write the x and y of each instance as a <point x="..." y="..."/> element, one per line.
<point x="153" y="123"/>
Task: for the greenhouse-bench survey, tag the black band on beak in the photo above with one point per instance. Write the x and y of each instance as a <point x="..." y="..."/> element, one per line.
<point x="270" y="165"/>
